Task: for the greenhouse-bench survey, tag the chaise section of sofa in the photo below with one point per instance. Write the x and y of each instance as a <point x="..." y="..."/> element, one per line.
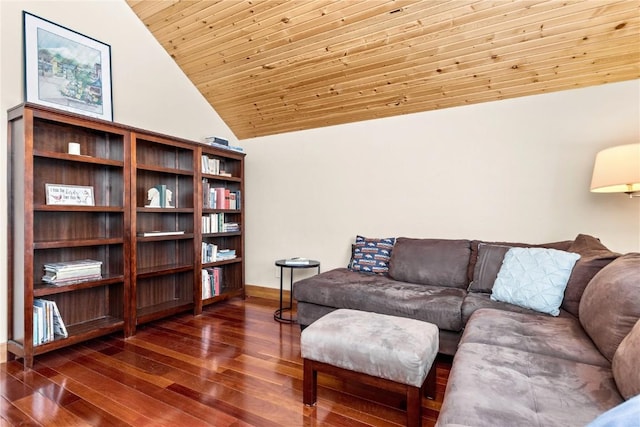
<point x="427" y="280"/>
<point x="538" y="370"/>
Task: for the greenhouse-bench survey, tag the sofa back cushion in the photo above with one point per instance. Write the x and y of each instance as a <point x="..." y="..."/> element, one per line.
<point x="610" y="304"/>
<point x="490" y="259"/>
<point x="625" y="368"/>
<point x="475" y="244"/>
<point x="436" y="262"/>
<point x="594" y="256"/>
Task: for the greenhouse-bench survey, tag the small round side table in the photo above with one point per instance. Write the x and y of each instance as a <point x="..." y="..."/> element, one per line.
<point x="282" y="263"/>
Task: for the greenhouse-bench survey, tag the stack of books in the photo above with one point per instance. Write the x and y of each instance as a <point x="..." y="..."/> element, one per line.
<point x="67" y="273"/>
<point x="229" y="227"/>
<point x="225" y="254"/>
<point x="218" y="142"/>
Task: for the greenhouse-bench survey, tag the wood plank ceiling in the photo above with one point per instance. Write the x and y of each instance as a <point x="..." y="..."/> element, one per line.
<point x="274" y="66"/>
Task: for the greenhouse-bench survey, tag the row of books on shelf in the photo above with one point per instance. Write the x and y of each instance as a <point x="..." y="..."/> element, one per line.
<point x="211" y="282"/>
<point x="211" y="253"/>
<point x="220" y="197"/>
<point x="70" y="272"/>
<point x="217" y="223"/>
<point x="47" y="322"/>
<point x="214" y="166"/>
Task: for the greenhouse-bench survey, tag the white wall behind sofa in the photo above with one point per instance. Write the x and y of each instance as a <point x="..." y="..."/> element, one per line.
<point x="516" y="170"/>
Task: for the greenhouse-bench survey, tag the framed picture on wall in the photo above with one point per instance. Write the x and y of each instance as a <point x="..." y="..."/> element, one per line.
<point x="66" y="70"/>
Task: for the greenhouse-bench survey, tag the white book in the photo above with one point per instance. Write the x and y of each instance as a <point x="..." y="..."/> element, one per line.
<point x="59" y="327"/>
<point x="160" y="233"/>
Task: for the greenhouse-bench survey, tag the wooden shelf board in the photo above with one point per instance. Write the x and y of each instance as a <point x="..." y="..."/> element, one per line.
<point x="225" y="262"/>
<point x="223" y="296"/>
<point x="172" y="171"/>
<point x="162" y="270"/>
<point x="53" y="244"/>
<point x="230" y="211"/>
<point x="82" y="332"/>
<point x="78" y="158"/>
<point x="227" y="234"/>
<point x="221" y="178"/>
<point x="153" y="312"/>
<point x="44" y="289"/>
<point x="184" y="236"/>
<point x="67" y="208"/>
<point x="164" y="210"/>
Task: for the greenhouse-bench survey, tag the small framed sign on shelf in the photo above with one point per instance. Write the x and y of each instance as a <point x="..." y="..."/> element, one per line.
<point x="70" y="195"/>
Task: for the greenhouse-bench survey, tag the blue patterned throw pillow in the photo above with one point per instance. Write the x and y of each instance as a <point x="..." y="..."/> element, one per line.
<point x="372" y="255"/>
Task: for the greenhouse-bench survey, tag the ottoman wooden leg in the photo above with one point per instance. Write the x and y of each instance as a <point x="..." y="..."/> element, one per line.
<point x="309" y="383"/>
<point x="430" y="382"/>
<point x="414" y="406"/>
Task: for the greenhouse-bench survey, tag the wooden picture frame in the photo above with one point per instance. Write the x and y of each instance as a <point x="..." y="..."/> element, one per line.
<point x="66" y="70"/>
<point x="69" y="195"/>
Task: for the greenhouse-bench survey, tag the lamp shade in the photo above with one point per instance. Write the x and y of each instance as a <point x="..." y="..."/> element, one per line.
<point x="617" y="170"/>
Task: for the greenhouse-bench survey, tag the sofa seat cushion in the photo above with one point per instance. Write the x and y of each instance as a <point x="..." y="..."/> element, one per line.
<point x="342" y="288"/>
<point x="475" y="301"/>
<point x="561" y="337"/>
<point x="625" y="364"/>
<point x="500" y="386"/>
<point x="435" y="262"/>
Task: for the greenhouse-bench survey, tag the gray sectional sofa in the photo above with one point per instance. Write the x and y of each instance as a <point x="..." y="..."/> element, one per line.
<point x="512" y="365"/>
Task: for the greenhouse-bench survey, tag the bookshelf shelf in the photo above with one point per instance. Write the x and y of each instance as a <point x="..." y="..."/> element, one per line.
<point x="44" y="289"/>
<point x="144" y="278"/>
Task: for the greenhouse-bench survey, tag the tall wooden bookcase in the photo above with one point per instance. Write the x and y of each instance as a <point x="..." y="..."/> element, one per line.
<point x="146" y="275"/>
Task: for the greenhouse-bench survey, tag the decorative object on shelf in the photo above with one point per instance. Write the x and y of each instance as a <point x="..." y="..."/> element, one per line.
<point x="65" y="69"/>
<point x="74" y="148"/>
<point x="159" y="197"/>
<point x="69" y="195"/>
<point x="617" y="170"/>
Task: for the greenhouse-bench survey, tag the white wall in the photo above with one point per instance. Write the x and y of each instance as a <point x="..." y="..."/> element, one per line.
<point x="516" y="170"/>
<point x="149" y="90"/>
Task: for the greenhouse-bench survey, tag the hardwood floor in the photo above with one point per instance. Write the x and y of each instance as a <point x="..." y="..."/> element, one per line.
<point x="231" y="366"/>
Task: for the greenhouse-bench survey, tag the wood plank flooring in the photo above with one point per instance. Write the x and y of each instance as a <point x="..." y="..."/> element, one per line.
<point x="231" y="366"/>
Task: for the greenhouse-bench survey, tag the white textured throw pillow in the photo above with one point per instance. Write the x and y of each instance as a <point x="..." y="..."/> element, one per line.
<point x="534" y="278"/>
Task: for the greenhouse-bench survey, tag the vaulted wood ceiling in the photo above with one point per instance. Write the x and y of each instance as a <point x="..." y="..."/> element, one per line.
<point x="273" y="66"/>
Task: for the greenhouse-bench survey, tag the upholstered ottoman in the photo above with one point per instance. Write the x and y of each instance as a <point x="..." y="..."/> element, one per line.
<point x="394" y="353"/>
